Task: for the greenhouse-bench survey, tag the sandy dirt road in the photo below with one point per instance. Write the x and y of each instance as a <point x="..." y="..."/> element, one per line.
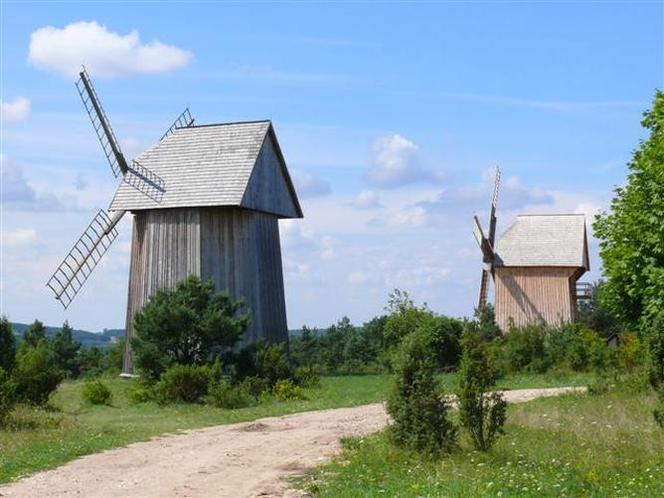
<point x="238" y="460"/>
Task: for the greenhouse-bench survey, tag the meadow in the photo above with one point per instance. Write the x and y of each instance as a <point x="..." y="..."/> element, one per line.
<point x="573" y="445"/>
<point x="42" y="438"/>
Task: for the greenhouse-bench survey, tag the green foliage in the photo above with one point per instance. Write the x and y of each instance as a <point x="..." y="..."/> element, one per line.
<point x="305" y="348"/>
<point x="419" y="413"/>
<point x="91" y="362"/>
<point x="482" y="410"/>
<point x="655" y="338"/>
<point x="658" y="412"/>
<point x="631" y="235"/>
<point x="525" y="349"/>
<point x="66" y="351"/>
<point x="599" y="386"/>
<point x="287" y="390"/>
<point x="7" y="345"/>
<point x="34" y="334"/>
<point x="36" y="373"/>
<point x="265" y="361"/>
<point x="403" y="318"/>
<point x="7" y="396"/>
<point x="594" y="314"/>
<point x="224" y="394"/>
<point x="183" y="384"/>
<point x="97" y="393"/>
<point x="187" y="325"/>
<point x="485" y="323"/>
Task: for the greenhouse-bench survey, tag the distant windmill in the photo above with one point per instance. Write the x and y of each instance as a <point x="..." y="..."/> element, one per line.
<point x="486" y="243"/>
<point x="535" y="266"/>
<point x="206" y="200"/>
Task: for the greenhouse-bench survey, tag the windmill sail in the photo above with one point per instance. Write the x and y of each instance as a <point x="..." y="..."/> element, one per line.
<point x="184" y="120"/>
<point x="82" y="259"/>
<point x="136" y="175"/>
<point x="487" y="243"/>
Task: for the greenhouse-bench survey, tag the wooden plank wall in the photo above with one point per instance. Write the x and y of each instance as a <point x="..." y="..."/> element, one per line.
<point x="241" y="253"/>
<point x="534" y="294"/>
<point x="237" y="248"/>
<point x="165" y="250"/>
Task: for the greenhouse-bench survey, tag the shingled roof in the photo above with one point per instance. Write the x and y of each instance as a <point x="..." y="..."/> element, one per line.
<point x="545" y="240"/>
<point x="229" y="164"/>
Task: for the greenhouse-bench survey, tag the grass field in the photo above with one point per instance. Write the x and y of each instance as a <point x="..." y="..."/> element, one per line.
<point x="45" y="439"/>
<point x="574" y="445"/>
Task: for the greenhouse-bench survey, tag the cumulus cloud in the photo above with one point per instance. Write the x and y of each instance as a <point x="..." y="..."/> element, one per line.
<point x="310" y="185"/>
<point x="19" y="237"/>
<point x="18" y="194"/>
<point x="105" y="53"/>
<point x="396" y="163"/>
<point x="17" y="110"/>
<point x="367" y="199"/>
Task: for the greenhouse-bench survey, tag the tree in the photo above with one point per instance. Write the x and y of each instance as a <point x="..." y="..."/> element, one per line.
<point x="486" y="326"/>
<point x="481" y="411"/>
<point x="403" y="318"/>
<point x="36" y="332"/>
<point x="594" y="314"/>
<point x="334" y="342"/>
<point x="419" y="412"/>
<point x="7" y="345"/>
<point x="631" y="236"/>
<point x="36" y="373"/>
<point x="66" y="351"/>
<point x="304" y="349"/>
<point x="188" y="325"/>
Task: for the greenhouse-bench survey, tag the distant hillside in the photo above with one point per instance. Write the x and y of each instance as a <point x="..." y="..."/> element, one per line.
<point x="100" y="339"/>
<point x="85" y="337"/>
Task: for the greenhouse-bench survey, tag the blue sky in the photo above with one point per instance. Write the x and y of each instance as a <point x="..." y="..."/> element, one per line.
<point x="390" y="116"/>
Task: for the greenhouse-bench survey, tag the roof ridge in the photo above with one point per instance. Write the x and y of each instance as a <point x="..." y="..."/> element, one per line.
<point x="255" y="121"/>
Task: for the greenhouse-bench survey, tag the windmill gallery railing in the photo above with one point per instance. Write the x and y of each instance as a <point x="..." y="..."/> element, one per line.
<point x="584" y="290"/>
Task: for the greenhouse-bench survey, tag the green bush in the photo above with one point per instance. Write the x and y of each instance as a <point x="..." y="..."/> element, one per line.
<point x="655" y="337"/>
<point x="599" y="386"/>
<point x="307" y="377"/>
<point x="140" y="392"/>
<point x="525" y="349"/>
<point x="183" y="384"/>
<point x="7" y="396"/>
<point x="482" y="410"/>
<point x="66" y="350"/>
<point x="36" y="373"/>
<point x="266" y="361"/>
<point x="287" y="390"/>
<point x="7" y="345"/>
<point x="419" y="413"/>
<point x="188" y="325"/>
<point x="97" y="393"/>
<point x="658" y="413"/>
<point x="226" y="395"/>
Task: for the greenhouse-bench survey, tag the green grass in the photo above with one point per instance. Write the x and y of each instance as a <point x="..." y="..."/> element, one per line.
<point x="45" y="439"/>
<point x="574" y="445"/>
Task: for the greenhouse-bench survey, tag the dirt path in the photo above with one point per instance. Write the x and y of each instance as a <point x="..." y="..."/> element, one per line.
<point x="238" y="460"/>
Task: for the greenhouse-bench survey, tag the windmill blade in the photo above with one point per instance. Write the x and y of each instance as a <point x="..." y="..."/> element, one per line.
<point x="145" y="181"/>
<point x="100" y="123"/>
<point x="77" y="266"/>
<point x="484" y="288"/>
<point x="483" y="242"/>
<point x="184" y="120"/>
<point x="494" y="203"/>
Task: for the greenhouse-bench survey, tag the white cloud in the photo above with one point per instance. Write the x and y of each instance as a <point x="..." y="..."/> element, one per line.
<point x="396" y="163"/>
<point x="310" y="185"/>
<point x="19" y="195"/>
<point x="19" y="237"/>
<point x="104" y="53"/>
<point x="15" y="111"/>
<point x="367" y="199"/>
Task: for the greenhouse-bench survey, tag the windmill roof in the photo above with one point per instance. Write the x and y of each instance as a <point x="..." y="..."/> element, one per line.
<point x="212" y="165"/>
<point x="545" y="240"/>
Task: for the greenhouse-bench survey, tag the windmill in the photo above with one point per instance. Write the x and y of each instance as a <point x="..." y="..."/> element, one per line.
<point x="205" y="200"/>
<point x="486" y="243"/>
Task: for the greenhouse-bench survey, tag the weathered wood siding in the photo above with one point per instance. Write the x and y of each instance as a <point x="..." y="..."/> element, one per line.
<point x="238" y="249"/>
<point x="268" y="188"/>
<point x="534" y="294"/>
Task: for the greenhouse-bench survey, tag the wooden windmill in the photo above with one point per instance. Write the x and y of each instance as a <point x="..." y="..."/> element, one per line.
<point x="535" y="267"/>
<point x="206" y="200"/>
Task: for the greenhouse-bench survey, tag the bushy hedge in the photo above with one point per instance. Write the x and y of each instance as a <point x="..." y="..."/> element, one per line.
<point x="97" y="393"/>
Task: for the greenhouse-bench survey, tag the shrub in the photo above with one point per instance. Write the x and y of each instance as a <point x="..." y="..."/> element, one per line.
<point x="655" y="337"/>
<point x="267" y="361"/>
<point x="183" y="383"/>
<point x="97" y="393"/>
<point x="658" y="413"/>
<point x="36" y="373"/>
<point x="7" y="396"/>
<point x="286" y="390"/>
<point x="188" y="325"/>
<point x="481" y="411"/>
<point x="307" y="377"/>
<point x="419" y="413"/>
<point x="140" y="392"/>
<point x="226" y="395"/>
<point x="7" y="345"/>
<point x="525" y="349"/>
<point x="66" y="349"/>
